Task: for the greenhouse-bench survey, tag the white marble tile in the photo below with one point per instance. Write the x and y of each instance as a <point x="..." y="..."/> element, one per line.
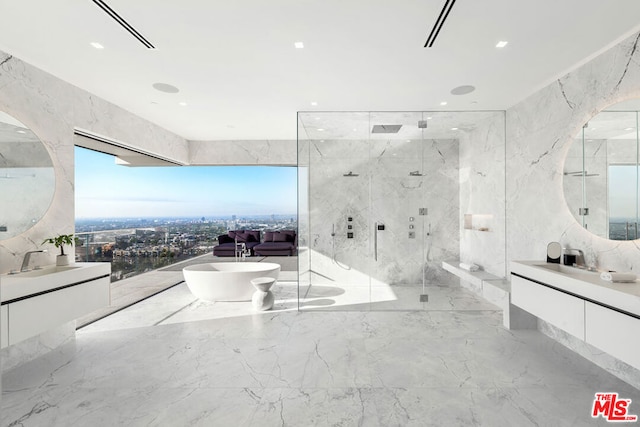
<point x="451" y="366"/>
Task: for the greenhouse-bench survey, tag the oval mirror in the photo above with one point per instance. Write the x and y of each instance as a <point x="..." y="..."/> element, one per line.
<point x="601" y="173"/>
<point x="27" y="179"/>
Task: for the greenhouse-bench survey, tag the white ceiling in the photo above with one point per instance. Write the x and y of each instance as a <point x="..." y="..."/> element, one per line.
<point x="237" y="69"/>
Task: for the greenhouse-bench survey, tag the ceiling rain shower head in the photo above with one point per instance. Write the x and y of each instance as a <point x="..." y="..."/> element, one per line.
<point x="415" y="173"/>
<point x="351" y="174"/>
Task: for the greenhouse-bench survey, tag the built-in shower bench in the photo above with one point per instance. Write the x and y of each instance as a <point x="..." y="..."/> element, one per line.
<point x="496" y="290"/>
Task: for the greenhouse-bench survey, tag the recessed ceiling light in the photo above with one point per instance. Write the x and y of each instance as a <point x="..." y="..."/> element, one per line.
<point x="454" y="128"/>
<point x="164" y="87"/>
<point x="317" y="118"/>
<point x="96" y="45"/>
<point x="501" y="43"/>
<point x="443" y="103"/>
<point x="354" y="129"/>
<point x="408" y="140"/>
<point x="299" y="45"/>
<point x="320" y="130"/>
<point x="21" y="131"/>
<point x="429" y="118"/>
<point x="628" y="128"/>
<point x="314" y="103"/>
<point x="184" y="104"/>
<point x="322" y="140"/>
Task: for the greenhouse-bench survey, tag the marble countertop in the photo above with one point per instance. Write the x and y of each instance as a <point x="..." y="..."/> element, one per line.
<point x="587" y="284"/>
<point x="13" y="286"/>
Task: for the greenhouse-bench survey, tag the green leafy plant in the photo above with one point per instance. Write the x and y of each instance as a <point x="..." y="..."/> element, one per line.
<point x="60" y="241"/>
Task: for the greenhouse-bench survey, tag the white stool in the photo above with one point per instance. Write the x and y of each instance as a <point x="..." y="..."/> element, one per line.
<point x="263" y="298"/>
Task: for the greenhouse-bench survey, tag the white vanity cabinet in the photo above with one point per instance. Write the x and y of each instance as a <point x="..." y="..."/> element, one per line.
<point x="33" y="304"/>
<point x="560" y="309"/>
<point x="614" y="333"/>
<point x="603" y="314"/>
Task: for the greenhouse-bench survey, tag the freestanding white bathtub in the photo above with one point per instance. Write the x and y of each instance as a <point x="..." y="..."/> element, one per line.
<point x="227" y="281"/>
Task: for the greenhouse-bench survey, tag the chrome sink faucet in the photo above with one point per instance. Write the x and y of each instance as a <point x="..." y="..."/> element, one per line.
<point x="27" y="258"/>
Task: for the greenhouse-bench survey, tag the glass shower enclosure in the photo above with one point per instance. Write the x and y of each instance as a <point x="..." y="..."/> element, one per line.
<point x="378" y="208"/>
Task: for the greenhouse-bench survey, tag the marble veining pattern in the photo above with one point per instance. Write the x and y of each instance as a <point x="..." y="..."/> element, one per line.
<point x="540" y="132"/>
<point x="382" y="191"/>
<point x="216" y="366"/>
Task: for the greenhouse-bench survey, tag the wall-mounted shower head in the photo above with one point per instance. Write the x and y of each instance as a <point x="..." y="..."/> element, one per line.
<point x="351" y="174"/>
<point x="415" y="173"/>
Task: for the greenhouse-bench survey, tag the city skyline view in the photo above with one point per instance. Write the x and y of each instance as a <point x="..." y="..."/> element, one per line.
<point x="107" y="190"/>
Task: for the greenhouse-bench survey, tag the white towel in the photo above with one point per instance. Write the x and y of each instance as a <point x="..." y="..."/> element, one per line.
<point x="618" y="277"/>
<point x="469" y="267"/>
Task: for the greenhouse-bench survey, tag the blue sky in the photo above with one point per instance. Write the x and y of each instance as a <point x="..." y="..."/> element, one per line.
<point x="106" y="190"/>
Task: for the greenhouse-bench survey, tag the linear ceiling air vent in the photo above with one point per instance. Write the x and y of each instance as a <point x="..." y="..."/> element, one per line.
<point x="386" y="128"/>
<point x="444" y="13"/>
<point x="112" y="13"/>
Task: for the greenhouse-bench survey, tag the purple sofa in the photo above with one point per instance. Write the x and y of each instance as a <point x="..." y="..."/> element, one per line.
<point x="278" y="243"/>
<point x="227" y="242"/>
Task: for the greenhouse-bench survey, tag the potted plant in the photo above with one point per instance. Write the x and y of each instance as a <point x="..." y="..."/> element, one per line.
<point x="59" y="242"/>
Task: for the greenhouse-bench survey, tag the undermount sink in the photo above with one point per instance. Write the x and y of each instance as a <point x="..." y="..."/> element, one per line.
<point x="565" y="269"/>
<point x="43" y="271"/>
<point x="50" y="277"/>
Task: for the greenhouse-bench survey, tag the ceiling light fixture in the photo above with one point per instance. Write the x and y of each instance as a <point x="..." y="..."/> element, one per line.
<point x="314" y="103"/>
<point x="628" y="128"/>
<point x="443" y="103"/>
<point x="21" y="131"/>
<point x="184" y="104"/>
<point x="96" y="45"/>
<point x="320" y="130"/>
<point x="501" y="44"/>
<point x="454" y="128"/>
<point x="299" y="45"/>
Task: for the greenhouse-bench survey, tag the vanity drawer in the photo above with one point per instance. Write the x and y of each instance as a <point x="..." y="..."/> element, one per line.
<point x="614" y="333"/>
<point x="558" y="308"/>
<point x="38" y="314"/>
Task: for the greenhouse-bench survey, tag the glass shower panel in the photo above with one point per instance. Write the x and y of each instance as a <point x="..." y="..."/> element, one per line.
<point x="381" y="203"/>
<point x="338" y="211"/>
<point x="398" y="184"/>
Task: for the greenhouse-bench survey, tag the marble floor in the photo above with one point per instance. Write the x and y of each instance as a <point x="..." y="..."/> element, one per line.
<point x="173" y="360"/>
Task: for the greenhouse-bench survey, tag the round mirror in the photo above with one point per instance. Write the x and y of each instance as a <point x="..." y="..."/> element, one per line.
<point x="27" y="179"/>
<point x="601" y="173"/>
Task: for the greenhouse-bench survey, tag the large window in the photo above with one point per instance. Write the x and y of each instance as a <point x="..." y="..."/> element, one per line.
<point x="143" y="218"/>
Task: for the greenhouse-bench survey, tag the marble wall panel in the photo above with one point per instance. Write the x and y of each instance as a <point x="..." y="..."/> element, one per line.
<point x="539" y="132"/>
<point x="383" y="193"/>
<point x="482" y="193"/>
<point x="255" y="152"/>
